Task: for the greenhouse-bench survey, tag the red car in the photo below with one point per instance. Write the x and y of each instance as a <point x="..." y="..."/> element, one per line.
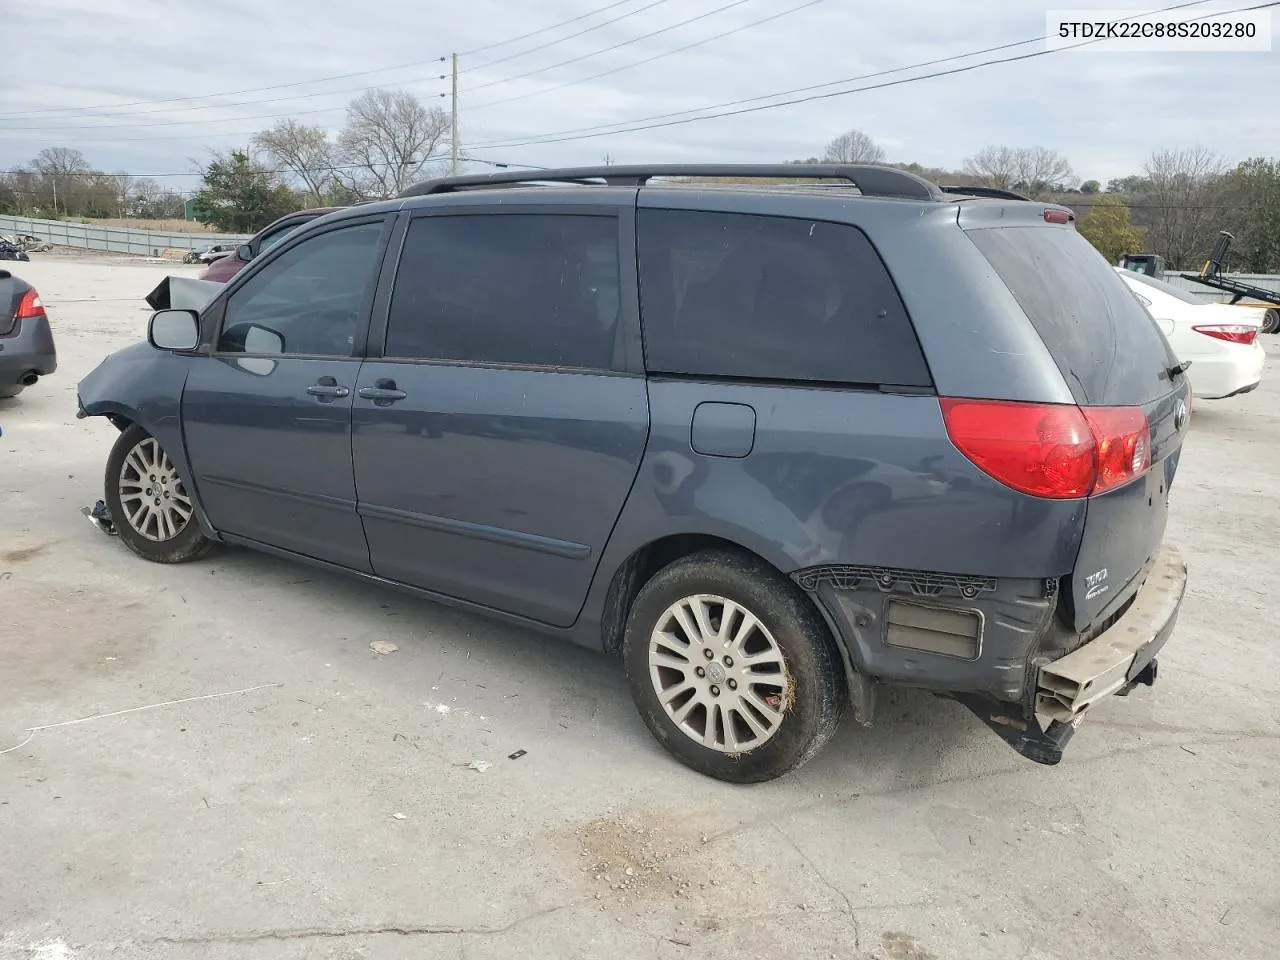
<point x="224" y="268"/>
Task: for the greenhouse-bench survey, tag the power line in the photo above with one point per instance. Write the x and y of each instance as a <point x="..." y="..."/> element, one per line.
<point x="781" y="93"/>
<point x="616" y="46"/>
<point x="658" y="56"/>
<point x="552" y="43"/>
<point x="300" y="83"/>
<point x="636" y="126"/>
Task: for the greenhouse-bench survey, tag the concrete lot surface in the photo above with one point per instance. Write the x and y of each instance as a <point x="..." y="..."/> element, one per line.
<point x="310" y="798"/>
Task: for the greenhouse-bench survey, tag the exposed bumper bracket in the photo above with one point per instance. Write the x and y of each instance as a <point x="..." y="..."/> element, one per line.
<point x="100" y="517"/>
<point x="1025" y="735"/>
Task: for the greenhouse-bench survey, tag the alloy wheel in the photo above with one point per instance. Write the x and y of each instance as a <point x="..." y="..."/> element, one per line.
<point x="719" y="673"/>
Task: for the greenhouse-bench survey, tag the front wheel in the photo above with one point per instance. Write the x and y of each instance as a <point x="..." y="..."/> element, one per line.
<point x="149" y="504"/>
<point x="732" y="669"/>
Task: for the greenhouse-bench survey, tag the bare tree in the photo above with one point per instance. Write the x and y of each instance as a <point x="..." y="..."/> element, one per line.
<point x="1041" y="171"/>
<point x="1180" y="188"/>
<point x="304" y="151"/>
<point x="1036" y="171"/>
<point x="390" y="135"/>
<point x="124" y="185"/>
<point x="59" y="167"/>
<point x="853" y="146"/>
<point x="995" y="166"/>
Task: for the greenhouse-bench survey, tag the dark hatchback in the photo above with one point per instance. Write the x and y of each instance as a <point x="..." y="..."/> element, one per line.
<point x="27" y="351"/>
<point x="774" y="446"/>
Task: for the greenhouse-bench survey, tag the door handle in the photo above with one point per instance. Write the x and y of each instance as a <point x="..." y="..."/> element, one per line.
<point x="382" y="392"/>
<point x="327" y="388"/>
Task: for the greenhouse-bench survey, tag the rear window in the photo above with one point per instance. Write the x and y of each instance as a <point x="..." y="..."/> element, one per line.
<point x="1109" y="350"/>
<point x="771" y="298"/>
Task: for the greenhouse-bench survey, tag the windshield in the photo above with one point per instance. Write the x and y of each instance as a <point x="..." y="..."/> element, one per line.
<point x="1160" y="285"/>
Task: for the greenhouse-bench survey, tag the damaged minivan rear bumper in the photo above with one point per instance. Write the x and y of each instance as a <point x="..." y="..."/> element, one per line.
<point x="1112" y="661"/>
<point x="1032" y="697"/>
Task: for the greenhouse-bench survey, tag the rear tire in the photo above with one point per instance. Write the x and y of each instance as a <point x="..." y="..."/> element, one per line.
<point x="731" y="667"/>
<point x="150" y="506"/>
<point x="1271" y="321"/>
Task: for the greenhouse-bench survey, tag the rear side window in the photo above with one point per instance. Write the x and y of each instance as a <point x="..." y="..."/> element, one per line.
<point x="536" y="289"/>
<point x="774" y="298"/>
<point x="1109" y="350"/>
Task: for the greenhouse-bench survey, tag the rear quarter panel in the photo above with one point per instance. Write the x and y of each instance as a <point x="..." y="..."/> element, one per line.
<point x="835" y="477"/>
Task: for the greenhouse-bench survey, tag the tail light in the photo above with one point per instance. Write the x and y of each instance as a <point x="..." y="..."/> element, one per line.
<point x="29" y="307"/>
<point x="1057" y="451"/>
<point x="1230" y="332"/>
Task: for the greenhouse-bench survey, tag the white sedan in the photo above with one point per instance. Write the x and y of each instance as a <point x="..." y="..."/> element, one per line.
<point x="1219" y="340"/>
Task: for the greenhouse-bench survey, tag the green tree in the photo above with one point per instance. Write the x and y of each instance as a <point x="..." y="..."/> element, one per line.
<point x="1253" y="190"/>
<point x="1090" y="186"/>
<point x="241" y="195"/>
<point x="1109" y="229"/>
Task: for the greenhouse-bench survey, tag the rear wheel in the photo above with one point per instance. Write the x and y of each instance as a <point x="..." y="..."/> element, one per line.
<point x="1271" y="321"/>
<point x="150" y="506"/>
<point x="732" y="669"/>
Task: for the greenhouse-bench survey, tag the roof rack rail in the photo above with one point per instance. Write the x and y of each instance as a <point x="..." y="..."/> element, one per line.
<point x="871" y="181"/>
<point x="995" y="193"/>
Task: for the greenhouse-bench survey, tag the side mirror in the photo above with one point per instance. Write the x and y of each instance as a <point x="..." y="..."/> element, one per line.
<point x="245" y="252"/>
<point x="174" y="329"/>
<point x="262" y="340"/>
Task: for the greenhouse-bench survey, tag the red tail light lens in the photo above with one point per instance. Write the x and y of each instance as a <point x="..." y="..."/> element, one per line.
<point x="1057" y="451"/>
<point x="30" y="307"/>
<point x="1045" y="450"/>
<point x="1231" y="332"/>
<point x="1057" y="216"/>
<point x="1123" y="443"/>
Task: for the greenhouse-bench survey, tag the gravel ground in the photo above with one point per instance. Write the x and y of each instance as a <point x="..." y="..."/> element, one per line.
<point x="310" y="798"/>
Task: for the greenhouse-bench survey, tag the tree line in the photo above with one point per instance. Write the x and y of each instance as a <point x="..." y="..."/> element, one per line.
<point x="1174" y="206"/>
<point x="59" y="183"/>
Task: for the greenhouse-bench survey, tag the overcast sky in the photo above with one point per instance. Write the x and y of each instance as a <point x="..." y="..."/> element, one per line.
<point x="76" y="69"/>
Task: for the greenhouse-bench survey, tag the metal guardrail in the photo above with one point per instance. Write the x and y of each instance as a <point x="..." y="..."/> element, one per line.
<point x="147" y="243"/>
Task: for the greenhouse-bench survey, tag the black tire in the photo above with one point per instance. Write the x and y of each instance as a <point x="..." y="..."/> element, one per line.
<point x="1271" y="321"/>
<point x="188" y="544"/>
<point x="798" y="631"/>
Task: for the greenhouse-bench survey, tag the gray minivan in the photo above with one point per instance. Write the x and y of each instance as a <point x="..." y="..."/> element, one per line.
<point x="774" y="443"/>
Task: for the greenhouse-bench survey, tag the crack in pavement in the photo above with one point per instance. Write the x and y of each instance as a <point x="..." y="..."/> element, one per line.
<point x="319" y="933"/>
<point x="853" y="920"/>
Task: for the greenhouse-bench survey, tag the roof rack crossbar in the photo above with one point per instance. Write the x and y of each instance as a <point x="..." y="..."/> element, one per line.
<point x="871" y="181"/>
<point x="996" y="193"/>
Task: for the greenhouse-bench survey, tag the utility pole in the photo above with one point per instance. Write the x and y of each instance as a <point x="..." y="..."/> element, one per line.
<point x="454" y="116"/>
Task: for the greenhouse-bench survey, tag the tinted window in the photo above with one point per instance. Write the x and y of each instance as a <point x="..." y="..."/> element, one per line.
<point x="776" y="298"/>
<point x="271" y="239"/>
<point x="1107" y="346"/>
<point x="528" y="289"/>
<point x="310" y="298"/>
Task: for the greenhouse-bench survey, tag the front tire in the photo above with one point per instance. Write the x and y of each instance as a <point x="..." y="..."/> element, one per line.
<point x="150" y="506"/>
<point x="731" y="668"/>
